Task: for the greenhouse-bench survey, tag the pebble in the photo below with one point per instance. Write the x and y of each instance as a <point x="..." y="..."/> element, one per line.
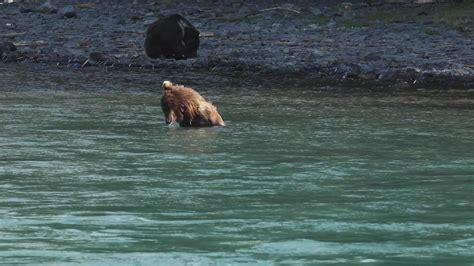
<point x="67" y="12"/>
<point x="96" y="56"/>
<point x="8" y="52"/>
<point x="47" y="8"/>
<point x="7" y="47"/>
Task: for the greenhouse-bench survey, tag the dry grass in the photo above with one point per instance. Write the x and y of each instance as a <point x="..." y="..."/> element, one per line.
<point x="457" y="16"/>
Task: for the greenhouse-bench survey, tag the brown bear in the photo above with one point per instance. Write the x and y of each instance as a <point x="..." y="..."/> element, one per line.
<point x="188" y="107"/>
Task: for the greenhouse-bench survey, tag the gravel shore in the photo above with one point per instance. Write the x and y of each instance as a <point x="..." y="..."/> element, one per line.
<point x="338" y="41"/>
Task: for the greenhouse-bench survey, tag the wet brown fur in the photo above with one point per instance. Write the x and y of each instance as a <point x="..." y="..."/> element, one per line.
<point x="188" y="106"/>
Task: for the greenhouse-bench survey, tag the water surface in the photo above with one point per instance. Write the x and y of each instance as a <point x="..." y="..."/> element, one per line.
<point x="303" y="173"/>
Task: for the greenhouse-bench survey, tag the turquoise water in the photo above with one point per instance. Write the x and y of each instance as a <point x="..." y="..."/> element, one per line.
<point x="303" y="173"/>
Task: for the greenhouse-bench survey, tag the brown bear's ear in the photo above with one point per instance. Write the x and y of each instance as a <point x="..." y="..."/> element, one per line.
<point x="167" y="85"/>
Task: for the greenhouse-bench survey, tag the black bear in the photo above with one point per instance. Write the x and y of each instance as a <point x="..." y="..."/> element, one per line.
<point x="172" y="37"/>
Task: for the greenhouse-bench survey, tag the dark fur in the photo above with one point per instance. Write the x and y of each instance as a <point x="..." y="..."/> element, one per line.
<point x="172" y="37"/>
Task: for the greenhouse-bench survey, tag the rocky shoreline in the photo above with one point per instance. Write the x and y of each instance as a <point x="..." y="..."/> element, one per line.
<point x="338" y="41"/>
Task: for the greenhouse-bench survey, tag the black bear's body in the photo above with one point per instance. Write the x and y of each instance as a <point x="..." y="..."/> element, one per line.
<point x="172" y="37"/>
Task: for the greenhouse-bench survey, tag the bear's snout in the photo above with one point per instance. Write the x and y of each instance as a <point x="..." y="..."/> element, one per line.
<point x="170" y="118"/>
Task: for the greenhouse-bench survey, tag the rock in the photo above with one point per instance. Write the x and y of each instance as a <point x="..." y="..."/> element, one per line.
<point x="120" y="20"/>
<point x="316" y="52"/>
<point x="47" y="50"/>
<point x="315" y="11"/>
<point x="244" y="11"/>
<point x="96" y="56"/>
<point x="47" y="8"/>
<point x="8" y="52"/>
<point x="346" y="5"/>
<point x="388" y="75"/>
<point x="413" y="70"/>
<point x="7" y="47"/>
<point x="67" y="12"/>
<point x="136" y="17"/>
<point x="331" y="24"/>
<point x="376" y="56"/>
<point x="25" y="9"/>
<point x="346" y="10"/>
<point x="461" y="72"/>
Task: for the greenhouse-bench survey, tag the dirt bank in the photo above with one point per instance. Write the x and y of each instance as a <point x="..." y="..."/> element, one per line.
<point x="389" y="43"/>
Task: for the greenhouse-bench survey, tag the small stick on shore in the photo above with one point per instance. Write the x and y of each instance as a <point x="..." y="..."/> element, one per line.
<point x="206" y="34"/>
<point x="13" y="34"/>
<point x="86" y="5"/>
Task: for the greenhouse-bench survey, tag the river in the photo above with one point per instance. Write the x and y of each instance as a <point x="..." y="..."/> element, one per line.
<point x="303" y="172"/>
